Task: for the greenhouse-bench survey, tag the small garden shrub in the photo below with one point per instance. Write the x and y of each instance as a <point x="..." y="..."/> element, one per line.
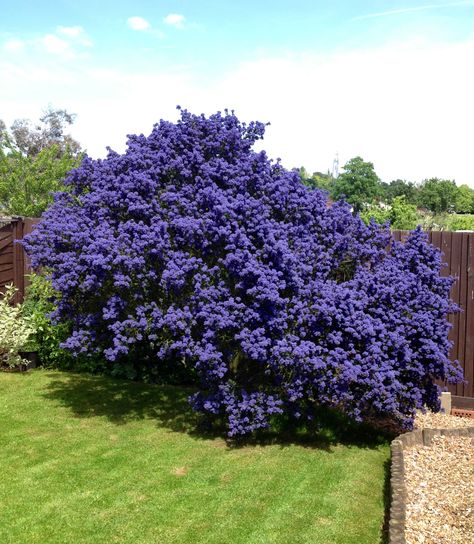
<point x="38" y="306"/>
<point x="16" y="330"/>
<point x="193" y="251"/>
<point x="462" y="222"/>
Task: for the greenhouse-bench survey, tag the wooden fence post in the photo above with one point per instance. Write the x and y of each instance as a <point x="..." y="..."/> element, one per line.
<point x="18" y="259"/>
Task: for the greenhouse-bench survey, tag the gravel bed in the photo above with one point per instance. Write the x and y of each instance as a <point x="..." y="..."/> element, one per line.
<point x="440" y="486"/>
<point x="430" y="420"/>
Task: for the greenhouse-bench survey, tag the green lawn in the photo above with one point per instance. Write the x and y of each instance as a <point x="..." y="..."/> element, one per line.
<point x="90" y="459"/>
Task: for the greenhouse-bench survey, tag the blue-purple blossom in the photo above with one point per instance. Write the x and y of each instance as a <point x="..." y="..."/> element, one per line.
<point x="191" y="247"/>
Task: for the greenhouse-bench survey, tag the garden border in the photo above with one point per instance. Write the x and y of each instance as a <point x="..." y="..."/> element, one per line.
<point x="397" y="475"/>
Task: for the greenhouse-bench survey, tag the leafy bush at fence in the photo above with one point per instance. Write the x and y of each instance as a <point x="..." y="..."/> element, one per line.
<point x="192" y="250"/>
<point x="16" y="330"/>
<point x="38" y="306"/>
<point x="461" y="222"/>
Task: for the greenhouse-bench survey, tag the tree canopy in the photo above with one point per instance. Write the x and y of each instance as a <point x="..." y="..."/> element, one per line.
<point x="438" y="195"/>
<point x="358" y="184"/>
<point x="34" y="160"/>
<point x="464" y="199"/>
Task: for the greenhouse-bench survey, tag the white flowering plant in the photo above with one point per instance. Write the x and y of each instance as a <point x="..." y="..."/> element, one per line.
<point x="16" y="330"/>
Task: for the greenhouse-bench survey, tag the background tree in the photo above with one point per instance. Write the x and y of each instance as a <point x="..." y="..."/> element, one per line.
<point x="438" y="195"/>
<point x="400" y="187"/>
<point x="403" y="215"/>
<point x="464" y="200"/>
<point x="317" y="180"/>
<point x="400" y="214"/>
<point x="34" y="160"/>
<point x="30" y="138"/>
<point x="358" y="184"/>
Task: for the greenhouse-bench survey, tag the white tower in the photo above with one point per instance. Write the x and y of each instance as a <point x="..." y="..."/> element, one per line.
<point x="335" y="166"/>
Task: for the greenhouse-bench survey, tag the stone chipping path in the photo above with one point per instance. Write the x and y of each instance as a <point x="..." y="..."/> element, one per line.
<point x="440" y="485"/>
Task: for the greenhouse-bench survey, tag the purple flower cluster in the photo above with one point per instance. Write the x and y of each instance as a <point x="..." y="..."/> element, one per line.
<point x="193" y="247"/>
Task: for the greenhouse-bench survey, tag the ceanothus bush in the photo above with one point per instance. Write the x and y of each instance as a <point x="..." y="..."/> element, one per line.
<point x="193" y="249"/>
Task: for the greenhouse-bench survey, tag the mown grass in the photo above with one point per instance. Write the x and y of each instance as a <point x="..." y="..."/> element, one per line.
<point x="88" y="459"/>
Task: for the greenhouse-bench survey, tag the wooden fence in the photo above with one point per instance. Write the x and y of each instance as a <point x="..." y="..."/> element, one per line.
<point x="458" y="254"/>
<point x="457" y="247"/>
<point x="14" y="263"/>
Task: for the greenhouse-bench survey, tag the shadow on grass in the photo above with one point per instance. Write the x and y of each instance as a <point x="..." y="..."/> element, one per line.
<point x="121" y="401"/>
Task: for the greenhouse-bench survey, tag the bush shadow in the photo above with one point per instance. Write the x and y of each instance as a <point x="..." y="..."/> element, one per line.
<point x="122" y="401"/>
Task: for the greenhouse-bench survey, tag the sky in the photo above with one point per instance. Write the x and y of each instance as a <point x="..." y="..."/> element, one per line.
<point x="391" y="81"/>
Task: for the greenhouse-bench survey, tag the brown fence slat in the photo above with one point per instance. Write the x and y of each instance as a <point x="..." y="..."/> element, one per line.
<point x="6" y="257"/>
<point x="29" y="225"/>
<point x="463" y="304"/>
<point x="468" y="390"/>
<point x="5" y="243"/>
<point x="446" y="243"/>
<point x="436" y="239"/>
<point x="5" y="233"/>
<point x="455" y="271"/>
<point x="18" y="260"/>
<point x="5" y="267"/>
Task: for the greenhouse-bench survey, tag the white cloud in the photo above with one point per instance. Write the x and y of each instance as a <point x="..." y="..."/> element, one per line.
<point x="423" y="7"/>
<point x="14" y="45"/>
<point x="70" y="45"/>
<point x="76" y="34"/>
<point x="53" y="44"/>
<point x="405" y="107"/>
<point x="175" y="19"/>
<point x="71" y="31"/>
<point x="138" y="23"/>
<point x="67" y="43"/>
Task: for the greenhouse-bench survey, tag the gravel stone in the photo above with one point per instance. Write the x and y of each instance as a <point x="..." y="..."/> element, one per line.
<point x="440" y="485"/>
<point x="431" y="420"/>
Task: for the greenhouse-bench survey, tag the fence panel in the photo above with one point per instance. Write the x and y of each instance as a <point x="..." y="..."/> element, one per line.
<point x="458" y="254"/>
<point x="14" y="263"/>
<point x="6" y="254"/>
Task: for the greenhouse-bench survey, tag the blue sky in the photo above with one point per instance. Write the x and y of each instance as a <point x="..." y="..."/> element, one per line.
<point x="389" y="80"/>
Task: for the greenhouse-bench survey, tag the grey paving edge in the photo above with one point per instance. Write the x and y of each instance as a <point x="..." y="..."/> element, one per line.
<point x="398" y="492"/>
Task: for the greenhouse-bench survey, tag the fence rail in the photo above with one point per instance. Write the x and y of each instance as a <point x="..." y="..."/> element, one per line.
<point x="458" y="254"/>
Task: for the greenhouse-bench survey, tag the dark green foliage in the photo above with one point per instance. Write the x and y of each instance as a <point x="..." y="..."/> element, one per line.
<point x="400" y="187"/>
<point x="358" y="184"/>
<point x="465" y="200"/>
<point x="438" y="195"/>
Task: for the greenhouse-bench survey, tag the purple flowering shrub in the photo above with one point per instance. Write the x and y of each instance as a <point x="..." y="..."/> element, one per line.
<point x="192" y="249"/>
